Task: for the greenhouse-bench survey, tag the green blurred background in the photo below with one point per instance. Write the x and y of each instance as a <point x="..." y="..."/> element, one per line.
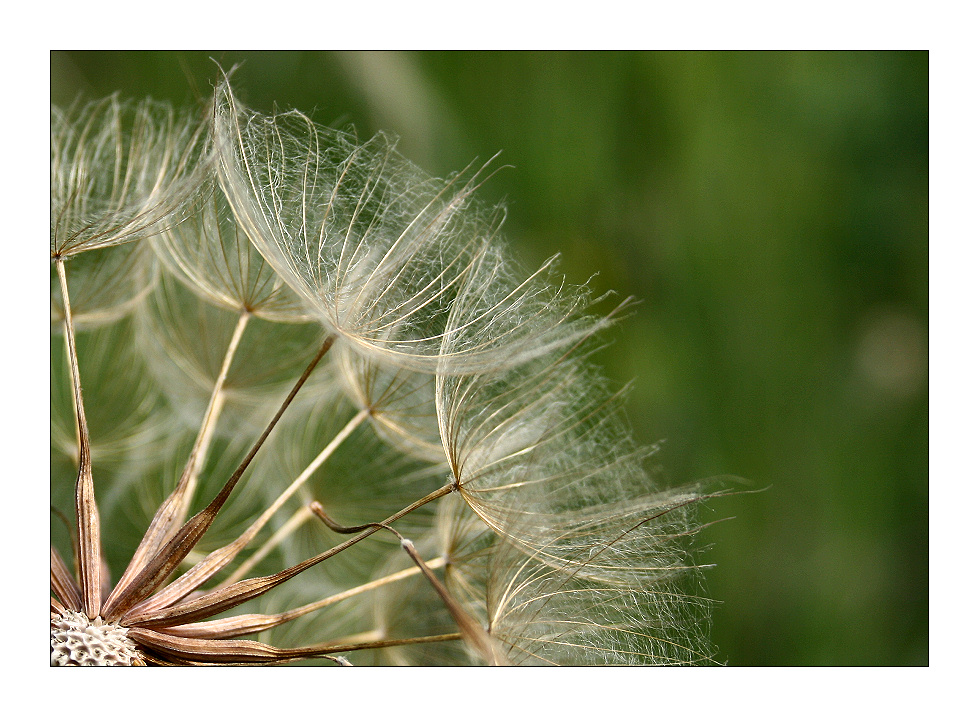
<point x="770" y="210"/>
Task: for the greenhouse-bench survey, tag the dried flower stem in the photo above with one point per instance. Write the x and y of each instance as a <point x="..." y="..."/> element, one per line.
<point x="222" y="599"/>
<point x="86" y="510"/>
<point x="173" y="510"/>
<point x="246" y="624"/>
<point x="248" y="652"/>
<point x="62" y="584"/>
<point x="195" y="462"/>
<point x="297" y="519"/>
<point x="392" y="643"/>
<point x="217" y="559"/>
<point x="343" y="434"/>
<point x="473" y="633"/>
<point x="170" y="555"/>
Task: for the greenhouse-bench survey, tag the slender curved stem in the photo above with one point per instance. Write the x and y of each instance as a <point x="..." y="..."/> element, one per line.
<point x="86" y="510"/>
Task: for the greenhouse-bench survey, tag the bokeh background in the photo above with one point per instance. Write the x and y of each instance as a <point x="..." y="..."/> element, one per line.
<point x="770" y="210"/>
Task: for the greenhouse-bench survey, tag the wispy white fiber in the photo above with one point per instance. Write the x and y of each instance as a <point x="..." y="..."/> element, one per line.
<point x="404" y="267"/>
<point x="119" y="170"/>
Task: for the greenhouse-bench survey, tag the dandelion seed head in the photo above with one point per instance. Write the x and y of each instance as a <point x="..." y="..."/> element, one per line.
<point x="210" y="254"/>
<point x="402" y="266"/>
<point x="119" y="171"/>
<point x="299" y="387"/>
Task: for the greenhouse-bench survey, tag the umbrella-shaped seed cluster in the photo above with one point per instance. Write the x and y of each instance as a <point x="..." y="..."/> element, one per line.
<point x="306" y="407"/>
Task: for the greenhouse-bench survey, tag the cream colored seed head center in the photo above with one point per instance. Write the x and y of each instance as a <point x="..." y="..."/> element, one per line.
<point x="77" y="641"/>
